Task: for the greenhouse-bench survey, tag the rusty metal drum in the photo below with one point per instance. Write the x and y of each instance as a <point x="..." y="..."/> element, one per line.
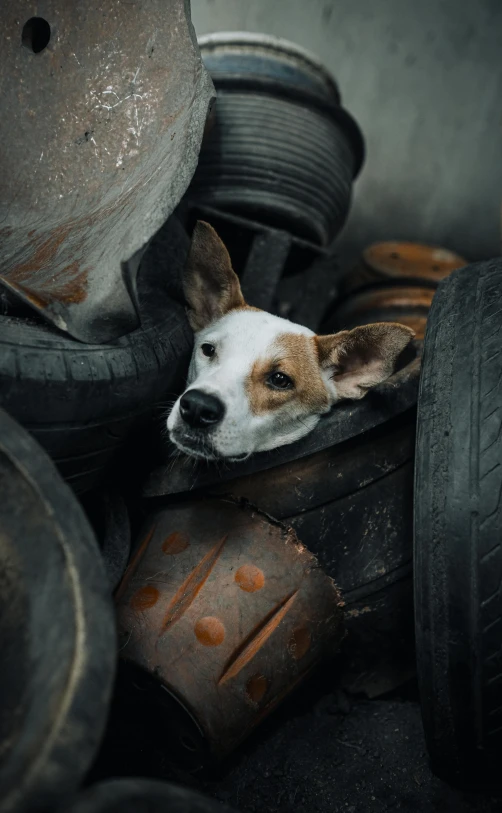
<point x="392" y="282"/>
<point x="103" y="113"/>
<point x="407" y="305"/>
<point x="402" y="263"/>
<point x="222" y="611"/>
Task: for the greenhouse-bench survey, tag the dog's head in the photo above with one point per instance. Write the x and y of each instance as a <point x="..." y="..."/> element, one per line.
<point x="257" y="381"/>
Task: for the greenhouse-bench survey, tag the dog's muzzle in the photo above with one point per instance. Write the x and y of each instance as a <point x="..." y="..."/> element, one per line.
<point x="199" y="410"/>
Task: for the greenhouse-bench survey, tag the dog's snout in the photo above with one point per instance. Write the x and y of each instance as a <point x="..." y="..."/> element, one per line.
<point x="200" y="410"/>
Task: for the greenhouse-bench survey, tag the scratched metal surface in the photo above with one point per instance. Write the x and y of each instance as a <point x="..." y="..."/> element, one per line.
<point x="228" y="611"/>
<point x="100" y="133"/>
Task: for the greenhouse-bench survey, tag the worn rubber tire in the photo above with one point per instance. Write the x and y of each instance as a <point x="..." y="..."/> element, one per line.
<point x="80" y="401"/>
<point x="142" y="796"/>
<point x="57" y="631"/>
<point x="107" y="512"/>
<point x="458" y="527"/>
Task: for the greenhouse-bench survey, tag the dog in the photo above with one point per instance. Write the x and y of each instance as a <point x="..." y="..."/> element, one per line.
<point x="257" y="381"/>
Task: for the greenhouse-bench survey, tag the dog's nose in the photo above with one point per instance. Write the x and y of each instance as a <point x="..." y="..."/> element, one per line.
<point x="200" y="410"/>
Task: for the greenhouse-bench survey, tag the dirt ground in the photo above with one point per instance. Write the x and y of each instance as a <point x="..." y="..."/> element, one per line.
<point x="321" y="751"/>
<point x="340" y="756"/>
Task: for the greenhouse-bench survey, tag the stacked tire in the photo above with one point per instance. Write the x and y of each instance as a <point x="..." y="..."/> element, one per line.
<point x="82" y="401"/>
<point x="57" y="631"/>
<point x="281" y="150"/>
<point x="458" y="527"/>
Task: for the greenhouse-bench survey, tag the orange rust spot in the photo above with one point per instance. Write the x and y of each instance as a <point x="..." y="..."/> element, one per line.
<point x="134" y="563"/>
<point x="144" y="598"/>
<point x="299" y="643"/>
<point x="190" y="588"/>
<point x="74" y="287"/>
<point x="403" y="304"/>
<point x="396" y="259"/>
<point x="41" y="294"/>
<point x="253" y="643"/>
<point x="395" y="297"/>
<point x="210" y="631"/>
<point x="250" y="578"/>
<point x="175" y="543"/>
<point x="44" y="255"/>
<point x="256" y="687"/>
<point x="40" y="278"/>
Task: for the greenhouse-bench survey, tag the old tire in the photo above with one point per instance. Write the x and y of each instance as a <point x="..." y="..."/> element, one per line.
<point x="458" y="527"/>
<point x="57" y="631"/>
<point x="80" y="401"/>
<point x="107" y="512"/>
<point x="282" y="149"/>
<point x="142" y="796"/>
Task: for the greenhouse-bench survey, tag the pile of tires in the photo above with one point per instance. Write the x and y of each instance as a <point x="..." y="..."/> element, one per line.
<point x="348" y="490"/>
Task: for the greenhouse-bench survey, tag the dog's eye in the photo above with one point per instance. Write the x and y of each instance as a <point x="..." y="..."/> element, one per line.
<point x="280" y="381"/>
<point x="208" y="349"/>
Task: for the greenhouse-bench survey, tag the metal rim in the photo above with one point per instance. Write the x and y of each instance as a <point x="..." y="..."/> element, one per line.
<point x="268" y="42"/>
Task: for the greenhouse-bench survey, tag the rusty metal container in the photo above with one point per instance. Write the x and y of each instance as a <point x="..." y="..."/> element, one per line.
<point x="393" y="282"/>
<point x="402" y="263"/>
<point x="407" y="305"/>
<point x="221" y="613"/>
<point x="92" y="170"/>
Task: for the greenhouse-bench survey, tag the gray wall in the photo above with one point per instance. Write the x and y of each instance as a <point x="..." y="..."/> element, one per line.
<point x="424" y="80"/>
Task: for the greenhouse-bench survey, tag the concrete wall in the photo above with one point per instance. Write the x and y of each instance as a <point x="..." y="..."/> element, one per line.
<point x="424" y="80"/>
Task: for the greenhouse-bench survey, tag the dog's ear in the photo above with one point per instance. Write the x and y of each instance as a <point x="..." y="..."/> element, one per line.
<point x="210" y="284"/>
<point x="359" y="359"/>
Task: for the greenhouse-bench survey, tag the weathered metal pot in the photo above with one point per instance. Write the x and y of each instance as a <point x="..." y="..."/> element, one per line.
<point x="402" y="263"/>
<point x="392" y="282"/>
<point x="103" y="112"/>
<point x="396" y="303"/>
<point x="221" y="613"/>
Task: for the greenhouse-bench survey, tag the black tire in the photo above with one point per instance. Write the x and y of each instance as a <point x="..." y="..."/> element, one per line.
<point x="57" y="631"/>
<point x="107" y="512"/>
<point x="80" y="401"/>
<point x="458" y="527"/>
<point x="142" y="796"/>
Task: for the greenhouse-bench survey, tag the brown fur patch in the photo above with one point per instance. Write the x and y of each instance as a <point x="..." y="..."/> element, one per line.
<point x="210" y="284"/>
<point x="297" y="357"/>
<point x="247" y="307"/>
